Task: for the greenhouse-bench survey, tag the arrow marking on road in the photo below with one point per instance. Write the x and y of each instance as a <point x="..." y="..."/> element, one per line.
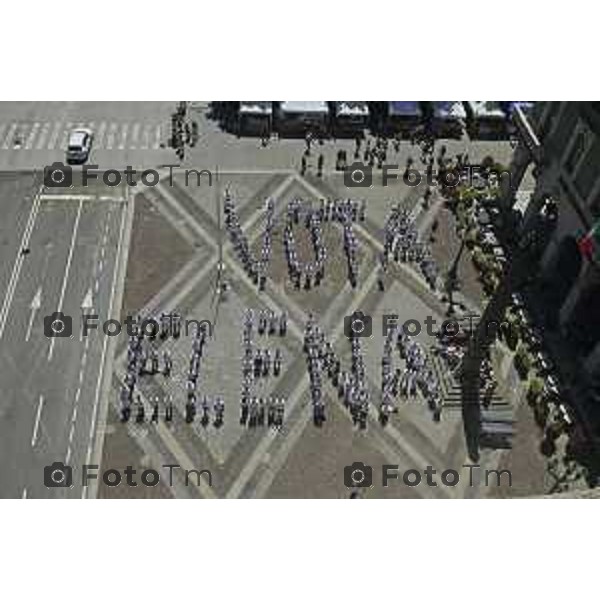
<point x="35" y="306"/>
<point x="86" y="307"/>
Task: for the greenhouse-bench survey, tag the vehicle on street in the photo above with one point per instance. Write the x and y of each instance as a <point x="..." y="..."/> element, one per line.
<point x="79" y="146"/>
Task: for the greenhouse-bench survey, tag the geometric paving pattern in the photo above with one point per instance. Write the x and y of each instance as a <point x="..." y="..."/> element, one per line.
<point x="300" y="460"/>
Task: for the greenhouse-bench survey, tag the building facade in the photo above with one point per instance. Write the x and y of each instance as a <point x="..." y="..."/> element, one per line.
<point x="561" y="142"/>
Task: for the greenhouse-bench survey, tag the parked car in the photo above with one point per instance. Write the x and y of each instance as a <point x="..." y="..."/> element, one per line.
<point x="79" y="146"/>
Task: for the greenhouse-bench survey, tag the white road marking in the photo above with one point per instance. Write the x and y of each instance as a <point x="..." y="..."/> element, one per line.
<point x="146" y="138"/>
<point x="134" y="136"/>
<point x="117" y="267"/>
<point x="18" y="263"/>
<point x="110" y="141"/>
<point x="8" y="140"/>
<point x="31" y="137"/>
<point x="24" y="496"/>
<point x="54" y="137"/>
<point x="123" y="141"/>
<point x="65" y="135"/>
<point x="41" y="141"/>
<point x="157" y="138"/>
<point x="66" y="275"/>
<point x="86" y="307"/>
<point x="35" y="306"/>
<point x="98" y="137"/>
<point x="37" y="421"/>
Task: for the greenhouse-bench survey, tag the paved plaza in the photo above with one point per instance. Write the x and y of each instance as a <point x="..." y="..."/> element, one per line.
<point x="300" y="460"/>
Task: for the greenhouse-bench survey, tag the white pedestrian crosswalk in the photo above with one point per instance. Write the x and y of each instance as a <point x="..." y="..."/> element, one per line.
<point x="108" y="135"/>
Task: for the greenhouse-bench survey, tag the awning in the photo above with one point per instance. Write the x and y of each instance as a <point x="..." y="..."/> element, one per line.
<point x="407" y="109"/>
<point x="305" y="107"/>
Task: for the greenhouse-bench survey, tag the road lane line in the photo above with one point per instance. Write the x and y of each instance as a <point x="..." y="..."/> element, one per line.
<point x="10" y="292"/>
<point x="66" y="275"/>
<point x="31" y="136"/>
<point x="65" y="135"/>
<point x="110" y="140"/>
<point x="125" y="218"/>
<point x="134" y="136"/>
<point x="54" y="136"/>
<point x="41" y="141"/>
<point x="24" y="496"/>
<point x="123" y="141"/>
<point x="145" y="145"/>
<point x="37" y="421"/>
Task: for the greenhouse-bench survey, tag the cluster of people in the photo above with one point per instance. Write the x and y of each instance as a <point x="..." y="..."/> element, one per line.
<point x="191" y="383"/>
<point x="140" y="414"/>
<point x="351" y="252"/>
<point x="143" y="358"/>
<point x="316" y="359"/>
<point x="217" y="406"/>
<point x="183" y="131"/>
<point x="374" y="153"/>
<point x="390" y="379"/>
<point x="260" y="363"/>
<point x="356" y="394"/>
<point x="340" y="210"/>
<point x="418" y="374"/>
<point x="264" y="364"/>
<point x="258" y="412"/>
<point x="351" y="386"/>
<point x="344" y="212"/>
<point x="269" y="323"/>
<point x="403" y="243"/>
<point x="310" y="273"/>
<point x="255" y="269"/>
<point x="170" y="325"/>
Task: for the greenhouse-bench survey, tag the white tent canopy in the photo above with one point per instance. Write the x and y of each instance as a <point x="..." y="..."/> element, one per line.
<point x="304" y="107"/>
<point x="352" y="109"/>
<point x="258" y="107"/>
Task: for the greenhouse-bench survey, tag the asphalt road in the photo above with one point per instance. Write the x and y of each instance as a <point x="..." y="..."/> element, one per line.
<point x="52" y="387"/>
